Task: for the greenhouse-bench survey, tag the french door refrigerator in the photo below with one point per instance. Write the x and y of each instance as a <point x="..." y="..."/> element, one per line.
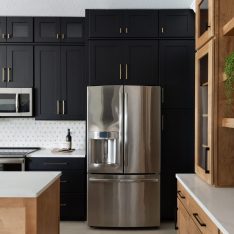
<point x="123" y="147"/>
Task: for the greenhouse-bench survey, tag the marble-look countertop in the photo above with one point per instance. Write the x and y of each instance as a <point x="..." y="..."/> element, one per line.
<point x="217" y="203"/>
<point x="25" y="184"/>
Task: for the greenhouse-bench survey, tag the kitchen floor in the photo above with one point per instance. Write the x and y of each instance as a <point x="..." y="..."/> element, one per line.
<point x="82" y="228"/>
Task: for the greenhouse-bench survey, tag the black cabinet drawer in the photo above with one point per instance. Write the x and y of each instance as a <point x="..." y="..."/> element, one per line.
<point x="73" y="207"/>
<point x="73" y="182"/>
<point x="56" y="164"/>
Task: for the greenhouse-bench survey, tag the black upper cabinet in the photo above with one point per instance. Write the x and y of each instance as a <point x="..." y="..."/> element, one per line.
<point x="53" y="29"/>
<point x="176" y="72"/>
<point x="122" y="23"/>
<point x="176" y="23"/>
<point x="123" y="62"/>
<point x="16" y="29"/>
<point x="73" y="82"/>
<point x="16" y="63"/>
<point x="60" y="82"/>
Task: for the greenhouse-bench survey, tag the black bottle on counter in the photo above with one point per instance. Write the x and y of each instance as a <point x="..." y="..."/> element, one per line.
<point x="69" y="139"/>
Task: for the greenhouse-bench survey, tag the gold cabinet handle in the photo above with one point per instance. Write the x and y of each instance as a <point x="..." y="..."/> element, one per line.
<point x="62" y="36"/>
<point x="9" y="36"/>
<point x="126" y="70"/>
<point x="3" y="36"/>
<point x="3" y="74"/>
<point x="9" y="74"/>
<point x="58" y="107"/>
<point x="126" y="30"/>
<point x="57" y="36"/>
<point x="63" y="204"/>
<point x="63" y="103"/>
<point x="120" y="30"/>
<point x="120" y="71"/>
<point x="162" y="29"/>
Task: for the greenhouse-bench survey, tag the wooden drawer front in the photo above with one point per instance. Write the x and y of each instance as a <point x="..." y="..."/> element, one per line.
<point x="201" y="219"/>
<point x="56" y="164"/>
<point x="73" y="182"/>
<point x="73" y="207"/>
<point x="183" y="195"/>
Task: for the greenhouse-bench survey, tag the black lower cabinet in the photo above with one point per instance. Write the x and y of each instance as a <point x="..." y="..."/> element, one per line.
<point x="177" y="155"/>
<point x="72" y="184"/>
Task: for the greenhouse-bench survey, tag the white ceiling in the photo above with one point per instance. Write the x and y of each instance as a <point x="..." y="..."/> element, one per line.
<point x="77" y="7"/>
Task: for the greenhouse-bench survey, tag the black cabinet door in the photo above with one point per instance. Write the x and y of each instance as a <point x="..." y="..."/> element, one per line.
<point x="47" y="29"/>
<point x="73" y="82"/>
<point x="140" y="23"/>
<point x="176" y="23"/>
<point x="106" y="62"/>
<point x="141" y="62"/>
<point x="176" y="71"/>
<point x="72" y="29"/>
<point x="20" y="66"/>
<point x="105" y="23"/>
<point x="47" y="82"/>
<point x="177" y="154"/>
<point x="20" y="29"/>
<point x="3" y="67"/>
<point x="3" y="31"/>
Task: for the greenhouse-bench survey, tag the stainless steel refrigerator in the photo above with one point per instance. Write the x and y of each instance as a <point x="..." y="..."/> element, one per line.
<point x="123" y="147"/>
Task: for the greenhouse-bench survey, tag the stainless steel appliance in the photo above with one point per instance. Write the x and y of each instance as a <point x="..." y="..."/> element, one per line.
<point x="16" y="102"/>
<point x="13" y="159"/>
<point x="123" y="143"/>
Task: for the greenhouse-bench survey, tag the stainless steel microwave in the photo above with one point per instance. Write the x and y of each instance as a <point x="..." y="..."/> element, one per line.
<point x="16" y="102"/>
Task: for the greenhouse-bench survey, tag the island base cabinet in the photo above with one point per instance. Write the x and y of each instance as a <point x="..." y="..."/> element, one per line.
<point x="38" y="215"/>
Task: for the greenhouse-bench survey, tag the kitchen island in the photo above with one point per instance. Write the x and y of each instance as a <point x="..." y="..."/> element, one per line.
<point x="29" y="202"/>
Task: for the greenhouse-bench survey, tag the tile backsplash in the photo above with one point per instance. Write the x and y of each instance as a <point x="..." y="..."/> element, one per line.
<point x="27" y="132"/>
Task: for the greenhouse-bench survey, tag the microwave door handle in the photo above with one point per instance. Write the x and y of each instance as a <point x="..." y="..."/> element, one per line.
<point x="17" y="103"/>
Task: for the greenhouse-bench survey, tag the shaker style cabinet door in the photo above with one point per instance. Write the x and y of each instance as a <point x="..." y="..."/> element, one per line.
<point x="176" y="23"/>
<point x="105" y="23"/>
<point x="47" y="29"/>
<point x="3" y="67"/>
<point x="19" y="29"/>
<point x="141" y="66"/>
<point x="72" y="29"/>
<point x="19" y="66"/>
<point x="47" y="82"/>
<point x="106" y="62"/>
<point x="73" y="82"/>
<point x="3" y="31"/>
<point x="176" y="72"/>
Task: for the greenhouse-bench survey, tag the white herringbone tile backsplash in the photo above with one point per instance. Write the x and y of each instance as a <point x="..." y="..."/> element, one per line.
<point x="27" y="132"/>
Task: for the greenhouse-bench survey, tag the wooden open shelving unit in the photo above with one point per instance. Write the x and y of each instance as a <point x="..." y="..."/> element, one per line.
<point x="228" y="122"/>
<point x="228" y="28"/>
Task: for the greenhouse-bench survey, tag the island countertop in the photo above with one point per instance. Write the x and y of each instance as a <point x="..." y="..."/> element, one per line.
<point x="25" y="184"/>
<point x="217" y="203"/>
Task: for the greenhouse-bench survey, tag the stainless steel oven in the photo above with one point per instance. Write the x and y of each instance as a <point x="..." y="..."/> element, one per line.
<point x="16" y="102"/>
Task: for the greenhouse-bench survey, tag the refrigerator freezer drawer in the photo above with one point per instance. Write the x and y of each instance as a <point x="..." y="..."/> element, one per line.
<point x="124" y="200"/>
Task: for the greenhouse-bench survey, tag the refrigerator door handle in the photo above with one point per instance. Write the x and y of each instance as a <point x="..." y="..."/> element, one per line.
<point x="155" y="180"/>
<point x="125" y="129"/>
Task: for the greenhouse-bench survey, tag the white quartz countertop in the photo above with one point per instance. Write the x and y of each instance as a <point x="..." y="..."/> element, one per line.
<point x="47" y="153"/>
<point x="218" y="203"/>
<point x="25" y="184"/>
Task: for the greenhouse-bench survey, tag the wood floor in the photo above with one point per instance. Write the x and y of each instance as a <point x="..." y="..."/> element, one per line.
<point x="82" y="228"/>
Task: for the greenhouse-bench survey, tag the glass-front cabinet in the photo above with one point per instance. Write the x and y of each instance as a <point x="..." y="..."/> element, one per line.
<point x="204" y="21"/>
<point x="204" y="112"/>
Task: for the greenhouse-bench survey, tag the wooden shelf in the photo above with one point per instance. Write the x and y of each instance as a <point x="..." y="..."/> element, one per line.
<point x="228" y="123"/>
<point x="228" y="28"/>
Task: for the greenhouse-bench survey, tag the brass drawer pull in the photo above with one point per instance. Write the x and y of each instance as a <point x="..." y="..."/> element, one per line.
<point x="3" y="36"/>
<point x="63" y="204"/>
<point x="3" y="74"/>
<point x="120" y="71"/>
<point x="63" y="181"/>
<point x="9" y="36"/>
<point x="196" y="216"/>
<point x="120" y="30"/>
<point x="57" y="36"/>
<point x="126" y="70"/>
<point x="181" y="195"/>
<point x="62" y="36"/>
<point x="9" y="74"/>
<point x="58" y="107"/>
<point x="126" y="30"/>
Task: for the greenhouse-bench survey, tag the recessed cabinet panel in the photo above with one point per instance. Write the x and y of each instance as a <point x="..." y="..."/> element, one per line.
<point x="47" y="29"/>
<point x="176" y="23"/>
<point x="20" y="29"/>
<point x="3" y="67"/>
<point x="3" y="31"/>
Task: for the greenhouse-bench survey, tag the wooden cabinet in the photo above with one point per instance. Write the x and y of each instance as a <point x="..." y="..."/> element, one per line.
<point x="16" y="29"/>
<point x="60" y="83"/>
<point x="205" y="21"/>
<point x="176" y="23"/>
<point x="123" y="62"/>
<point x="16" y="64"/>
<point x="72" y="183"/>
<point x="176" y="73"/>
<point x="122" y="23"/>
<point x="54" y="29"/>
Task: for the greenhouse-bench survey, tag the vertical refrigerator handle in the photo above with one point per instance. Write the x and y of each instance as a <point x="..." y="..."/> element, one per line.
<point x="125" y="129"/>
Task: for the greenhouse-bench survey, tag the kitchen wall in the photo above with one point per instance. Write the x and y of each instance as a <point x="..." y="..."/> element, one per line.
<point x="77" y="7"/>
<point x="45" y="134"/>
